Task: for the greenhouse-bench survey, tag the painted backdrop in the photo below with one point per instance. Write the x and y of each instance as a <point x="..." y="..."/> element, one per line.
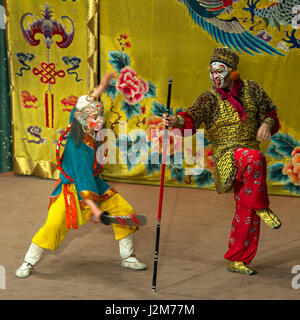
<point x="53" y="57"/>
<point x="52" y="51"/>
<point x="150" y="41"/>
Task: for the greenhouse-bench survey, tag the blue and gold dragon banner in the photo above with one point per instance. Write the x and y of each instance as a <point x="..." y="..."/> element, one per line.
<point x="52" y="53"/>
<point x="146" y="42"/>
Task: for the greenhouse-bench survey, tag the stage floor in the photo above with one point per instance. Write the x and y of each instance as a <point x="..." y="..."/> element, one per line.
<point x="194" y="234"/>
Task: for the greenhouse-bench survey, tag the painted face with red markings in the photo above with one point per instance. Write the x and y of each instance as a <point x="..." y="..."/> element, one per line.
<point x="218" y="73"/>
<point x="95" y="121"/>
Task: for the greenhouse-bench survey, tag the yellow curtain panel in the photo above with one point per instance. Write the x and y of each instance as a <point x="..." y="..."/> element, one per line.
<point x="147" y="41"/>
<point x="52" y="53"/>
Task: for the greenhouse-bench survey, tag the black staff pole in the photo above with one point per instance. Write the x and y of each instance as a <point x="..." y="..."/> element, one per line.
<point x="162" y="179"/>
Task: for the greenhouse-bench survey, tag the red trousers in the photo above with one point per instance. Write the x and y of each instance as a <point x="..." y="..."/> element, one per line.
<point x="250" y="193"/>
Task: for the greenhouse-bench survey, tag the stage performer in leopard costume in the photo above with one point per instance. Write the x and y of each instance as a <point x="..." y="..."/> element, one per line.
<point x="237" y="115"/>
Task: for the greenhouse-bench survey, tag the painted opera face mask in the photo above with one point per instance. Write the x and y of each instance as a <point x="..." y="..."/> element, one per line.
<point x="218" y="73"/>
<point x="95" y="121"/>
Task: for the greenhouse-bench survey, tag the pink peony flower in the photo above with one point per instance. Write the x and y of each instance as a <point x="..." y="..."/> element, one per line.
<point x="292" y="168"/>
<point x="132" y="88"/>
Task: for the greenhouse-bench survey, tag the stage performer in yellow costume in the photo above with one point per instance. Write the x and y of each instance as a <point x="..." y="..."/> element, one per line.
<point x="80" y="194"/>
<point x="237" y="114"/>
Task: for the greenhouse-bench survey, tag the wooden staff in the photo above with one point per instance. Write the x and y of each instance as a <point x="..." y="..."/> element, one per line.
<point x="163" y="167"/>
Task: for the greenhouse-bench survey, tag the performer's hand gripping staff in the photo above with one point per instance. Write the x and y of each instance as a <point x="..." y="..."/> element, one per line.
<point x="163" y="166"/>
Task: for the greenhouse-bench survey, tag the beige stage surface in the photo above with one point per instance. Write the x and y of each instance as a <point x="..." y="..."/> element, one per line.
<point x="194" y="234"/>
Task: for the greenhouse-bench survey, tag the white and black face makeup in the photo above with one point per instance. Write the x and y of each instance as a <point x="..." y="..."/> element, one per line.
<point x="218" y="73"/>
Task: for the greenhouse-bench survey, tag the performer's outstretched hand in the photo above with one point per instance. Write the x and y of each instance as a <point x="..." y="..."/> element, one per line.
<point x="106" y="79"/>
<point x="103" y="84"/>
<point x="263" y="132"/>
